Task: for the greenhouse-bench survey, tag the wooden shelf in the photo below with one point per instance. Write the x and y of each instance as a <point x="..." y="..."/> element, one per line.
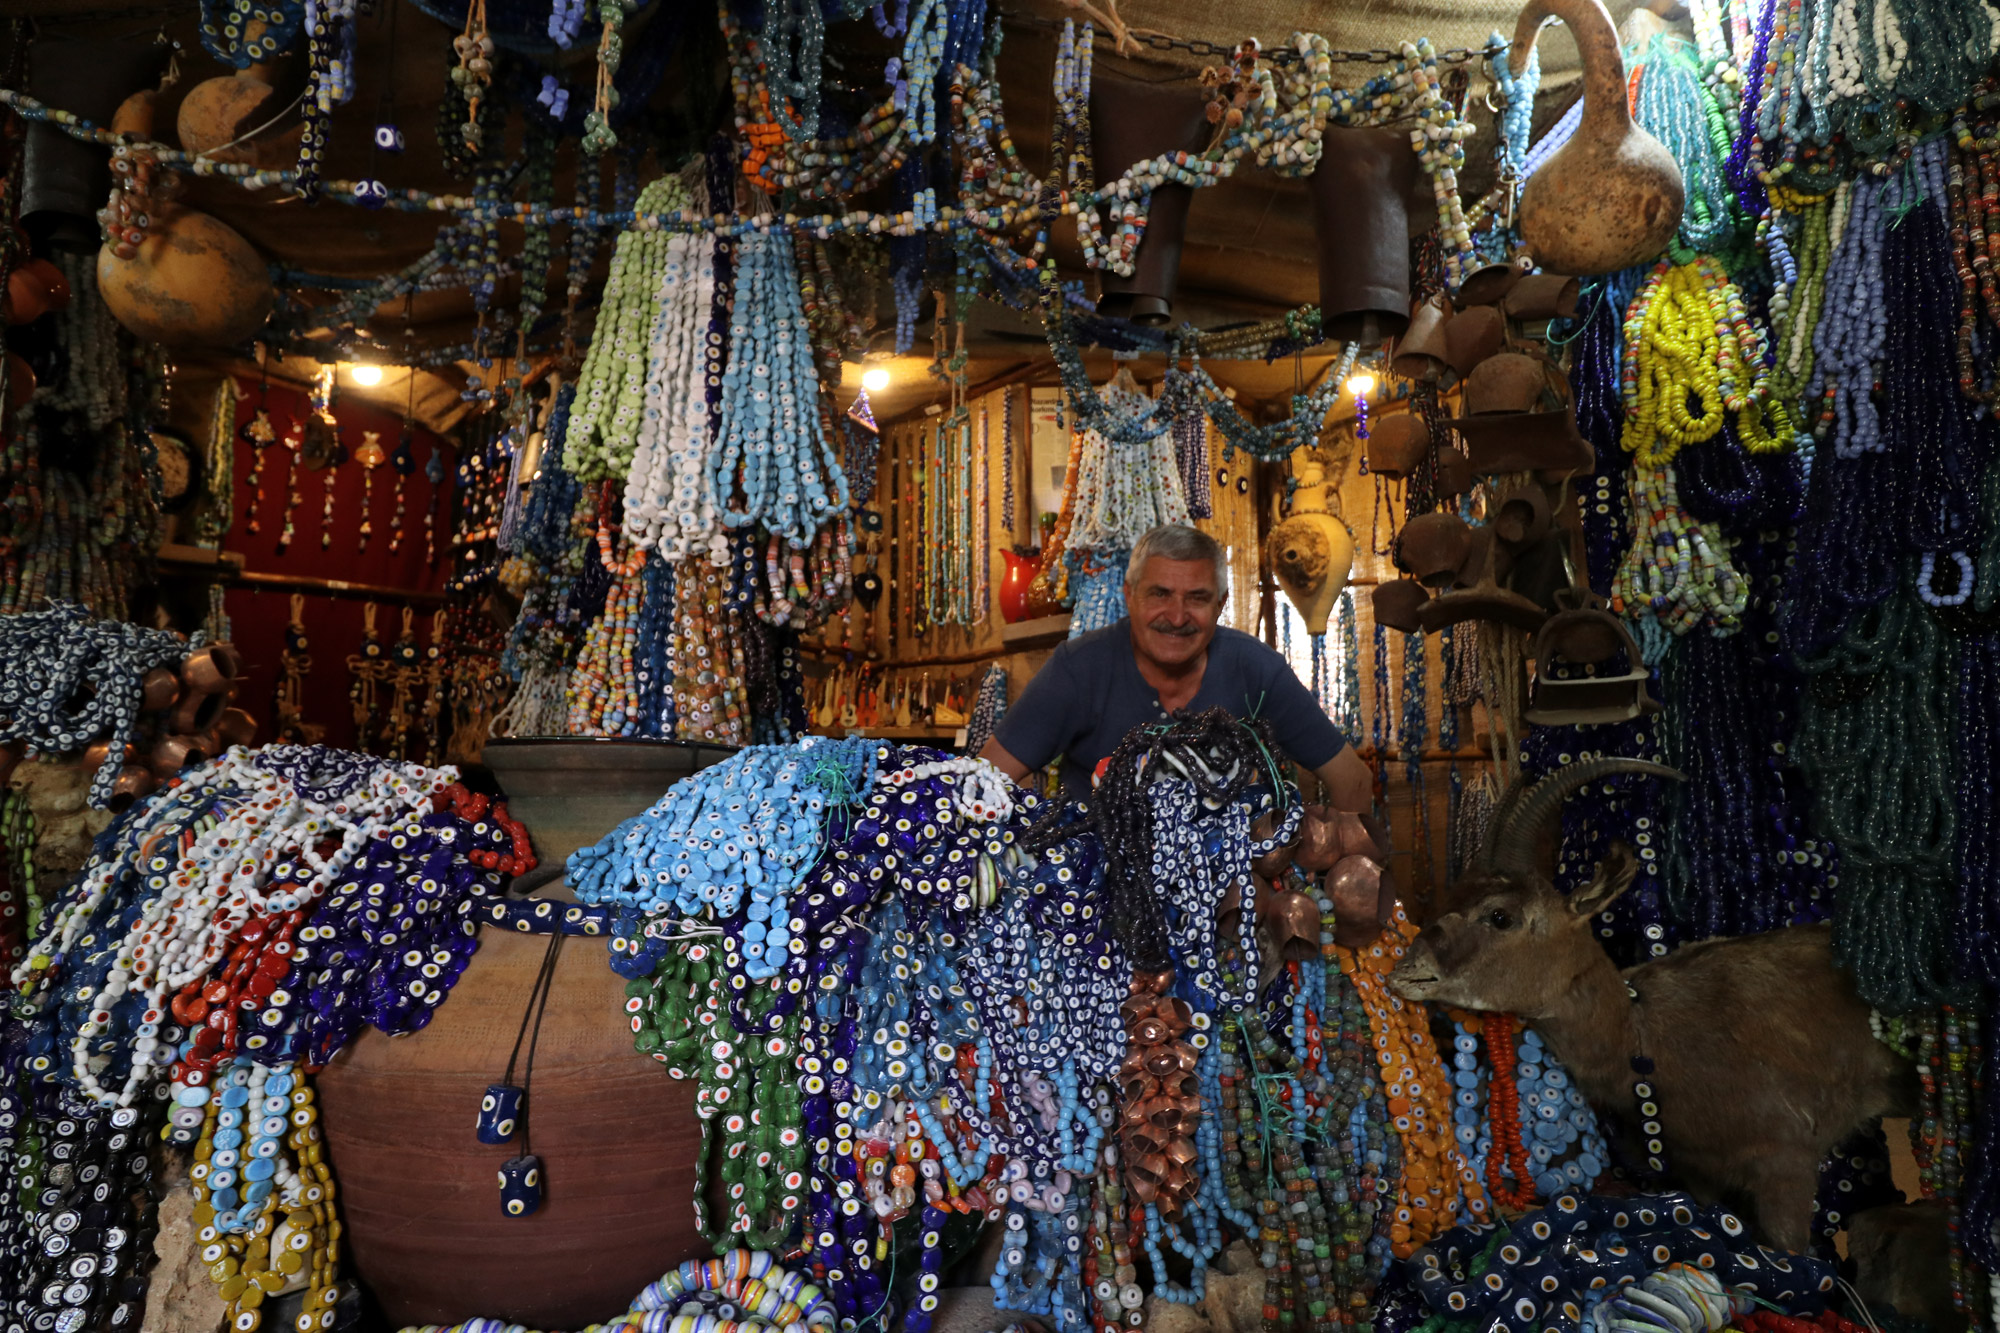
<point x="1041" y="632"/>
<point x="894" y="733"/>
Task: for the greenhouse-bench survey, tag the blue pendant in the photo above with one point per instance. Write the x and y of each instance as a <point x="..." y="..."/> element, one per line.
<point x="520" y="1185"/>
<point x="499" y="1112"/>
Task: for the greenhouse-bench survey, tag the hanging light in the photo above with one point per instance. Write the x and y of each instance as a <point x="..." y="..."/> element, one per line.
<point x="1361" y="383"/>
<point x="874" y="379"/>
<point x="364" y="374"/>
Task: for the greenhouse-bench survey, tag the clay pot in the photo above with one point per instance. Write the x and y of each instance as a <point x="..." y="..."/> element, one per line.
<point x="1542" y="296"/>
<point x="1454" y="473"/>
<point x="618" y="1138"/>
<point x="1397" y="445"/>
<point x="1432" y="547"/>
<point x="235" y="727"/>
<point x="1472" y="336"/>
<point x="1421" y="353"/>
<point x="197" y="711"/>
<point x="212" y="669"/>
<point x="1612" y="196"/>
<point x="1132" y="122"/>
<point x="158" y="689"/>
<point x="1397" y="604"/>
<point x="1014" y="586"/>
<point x="194" y="283"/>
<point x="27" y="296"/>
<point x="1362" y="229"/>
<point x="1311" y="552"/>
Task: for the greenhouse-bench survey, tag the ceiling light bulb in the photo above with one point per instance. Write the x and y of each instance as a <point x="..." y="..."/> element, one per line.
<point x="875" y="379"/>
<point x="1361" y="383"/>
<point x="366" y="376"/>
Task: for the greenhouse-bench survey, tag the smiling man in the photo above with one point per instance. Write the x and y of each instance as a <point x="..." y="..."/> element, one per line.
<point x="1166" y="655"/>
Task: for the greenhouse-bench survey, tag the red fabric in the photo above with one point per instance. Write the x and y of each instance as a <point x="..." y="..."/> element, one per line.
<point x="333" y="624"/>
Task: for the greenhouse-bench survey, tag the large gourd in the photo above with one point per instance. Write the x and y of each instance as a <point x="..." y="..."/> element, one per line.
<point x="1612" y="196"/>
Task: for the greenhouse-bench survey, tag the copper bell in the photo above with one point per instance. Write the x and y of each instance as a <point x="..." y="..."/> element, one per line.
<point x="197" y="711"/>
<point x="158" y="689"/>
<point x="1586" y="633"/>
<point x="236" y="727"/>
<point x="170" y="754"/>
<point x="212" y="669"/>
<point x="133" y="783"/>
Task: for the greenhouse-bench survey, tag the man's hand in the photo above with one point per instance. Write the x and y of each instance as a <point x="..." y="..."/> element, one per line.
<point x="1349" y="783"/>
<point x="995" y="754"/>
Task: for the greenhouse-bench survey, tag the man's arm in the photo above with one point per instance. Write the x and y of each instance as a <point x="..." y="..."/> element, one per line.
<point x="994" y="753"/>
<point x="1349" y="783"/>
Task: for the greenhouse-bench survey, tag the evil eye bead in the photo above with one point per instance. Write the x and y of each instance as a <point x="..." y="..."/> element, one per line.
<point x="520" y="1186"/>
<point x="499" y="1113"/>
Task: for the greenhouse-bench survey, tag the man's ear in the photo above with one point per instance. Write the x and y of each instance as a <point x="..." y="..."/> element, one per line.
<point x="1614" y="875"/>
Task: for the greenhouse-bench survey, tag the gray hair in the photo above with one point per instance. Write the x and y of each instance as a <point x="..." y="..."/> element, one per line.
<point x="1177" y="541"/>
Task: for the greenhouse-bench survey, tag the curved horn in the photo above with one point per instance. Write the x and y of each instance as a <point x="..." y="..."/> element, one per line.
<point x="1518" y="825"/>
<point x="1498" y="817"/>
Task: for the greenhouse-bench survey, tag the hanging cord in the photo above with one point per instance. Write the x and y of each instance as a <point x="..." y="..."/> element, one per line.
<point x="538" y="1004"/>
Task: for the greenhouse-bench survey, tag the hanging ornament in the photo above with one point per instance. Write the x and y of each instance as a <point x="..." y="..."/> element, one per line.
<point x="371" y="456"/>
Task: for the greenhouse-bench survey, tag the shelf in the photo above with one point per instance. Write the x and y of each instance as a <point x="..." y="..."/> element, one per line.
<point x="1041" y="632"/>
<point x="895" y="733"/>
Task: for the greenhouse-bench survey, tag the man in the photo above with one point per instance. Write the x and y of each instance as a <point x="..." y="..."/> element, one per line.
<point x="1168" y="654"/>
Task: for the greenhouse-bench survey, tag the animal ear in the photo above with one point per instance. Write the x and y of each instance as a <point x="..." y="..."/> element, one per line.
<point x="1614" y="875"/>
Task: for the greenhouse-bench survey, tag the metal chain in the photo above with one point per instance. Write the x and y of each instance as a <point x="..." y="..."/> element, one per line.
<point x="1284" y="55"/>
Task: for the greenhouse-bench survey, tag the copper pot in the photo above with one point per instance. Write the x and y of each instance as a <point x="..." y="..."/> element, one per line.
<point x="1397" y="604"/>
<point x="236" y="727"/>
<point x="213" y="668"/>
<point x="134" y="783"/>
<point x="1612" y="196"/>
<point x="197" y="711"/>
<point x="1397" y="445"/>
<point x="158" y="689"/>
<point x="1472" y="336"/>
<point x="1542" y="296"/>
<point x="1432" y="547"/>
<point x="1132" y="122"/>
<point x="1421" y="354"/>
<point x="1362" y="228"/>
<point x="170" y="754"/>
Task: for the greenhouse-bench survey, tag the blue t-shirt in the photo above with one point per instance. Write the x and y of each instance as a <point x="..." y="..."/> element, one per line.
<point x="1090" y="694"/>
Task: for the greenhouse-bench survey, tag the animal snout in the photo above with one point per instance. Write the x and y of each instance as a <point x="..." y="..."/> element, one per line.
<point x="1418" y="973"/>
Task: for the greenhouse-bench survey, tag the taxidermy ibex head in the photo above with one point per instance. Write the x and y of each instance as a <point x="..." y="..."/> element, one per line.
<point x="1762" y="1054"/>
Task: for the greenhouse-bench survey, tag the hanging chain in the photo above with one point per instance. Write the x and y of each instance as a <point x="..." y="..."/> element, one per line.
<point x="1281" y="55"/>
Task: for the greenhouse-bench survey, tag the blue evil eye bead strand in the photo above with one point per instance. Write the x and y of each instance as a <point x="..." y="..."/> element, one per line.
<point x="72" y="680"/>
<point x="773" y="448"/>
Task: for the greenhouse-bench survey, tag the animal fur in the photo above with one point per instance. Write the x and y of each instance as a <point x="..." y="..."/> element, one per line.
<point x="1762" y="1051"/>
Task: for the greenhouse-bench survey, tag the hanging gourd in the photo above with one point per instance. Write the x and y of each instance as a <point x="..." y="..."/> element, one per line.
<point x="169" y="274"/>
<point x="1611" y="197"/>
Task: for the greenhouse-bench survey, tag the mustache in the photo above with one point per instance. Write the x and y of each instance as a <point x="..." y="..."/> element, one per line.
<point x="1179" y="631"/>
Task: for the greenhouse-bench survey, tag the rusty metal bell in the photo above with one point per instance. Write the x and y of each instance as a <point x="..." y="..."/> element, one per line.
<point x="1454" y="472"/>
<point x="1612" y="196"/>
<point x="1489" y="284"/>
<point x="1397" y="604"/>
<point x="1542" y="296"/>
<point x="1584" y="631"/>
<point x="1472" y="336"/>
<point x="1420" y="353"/>
<point x="1132" y="122"/>
<point x="1362" y="226"/>
<point x="1523" y="517"/>
<point x="1397" y="445"/>
<point x="1432" y="547"/>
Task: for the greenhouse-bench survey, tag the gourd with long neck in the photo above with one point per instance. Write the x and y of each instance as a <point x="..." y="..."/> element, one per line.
<point x="1612" y="196"/>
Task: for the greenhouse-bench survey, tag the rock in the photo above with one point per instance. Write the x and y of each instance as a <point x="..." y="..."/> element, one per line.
<point x="970" y="1310"/>
<point x="182" y="1298"/>
<point x="1234" y="1299"/>
<point x="1172" y="1317"/>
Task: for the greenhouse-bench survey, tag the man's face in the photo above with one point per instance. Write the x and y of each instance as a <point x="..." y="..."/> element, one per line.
<point x="1174" y="607"/>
